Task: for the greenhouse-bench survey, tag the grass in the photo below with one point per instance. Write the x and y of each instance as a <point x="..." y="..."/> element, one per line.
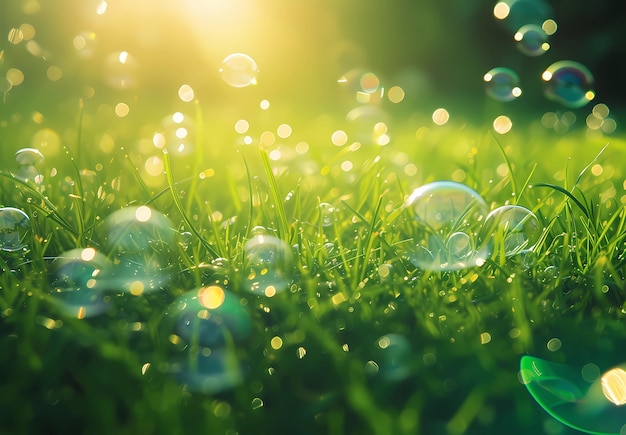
<point x="312" y="359"/>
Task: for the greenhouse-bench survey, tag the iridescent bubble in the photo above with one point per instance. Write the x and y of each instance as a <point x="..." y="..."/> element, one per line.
<point x="79" y="282"/>
<point x="393" y="357"/>
<point x="568" y="83"/>
<point x="268" y="265"/>
<point x="29" y="157"/>
<point x="15" y="229"/>
<point x="327" y="213"/>
<point x="590" y="405"/>
<point x="532" y="40"/>
<point x="445" y="220"/>
<point x="502" y="84"/>
<point x="512" y="229"/>
<point x="140" y="240"/>
<point x="239" y="70"/>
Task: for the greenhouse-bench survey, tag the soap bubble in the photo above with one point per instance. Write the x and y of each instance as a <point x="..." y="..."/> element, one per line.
<point x="327" y="212"/>
<point x="502" y="84"/>
<point x="79" y="282"/>
<point x="532" y="40"/>
<point x="140" y="240"/>
<point x="15" y="229"/>
<point x="29" y="157"/>
<point x="445" y="220"/>
<point x="239" y="70"/>
<point x="268" y="265"/>
<point x="568" y="83"/>
<point x="588" y="405"/>
<point x="512" y="229"/>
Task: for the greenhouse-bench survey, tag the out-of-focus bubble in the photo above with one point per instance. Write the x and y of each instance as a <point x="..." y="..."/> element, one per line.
<point x="29" y="157"/>
<point x="79" y="283"/>
<point x="177" y="134"/>
<point x="502" y="84"/>
<point x="395" y="94"/>
<point x="140" y="240"/>
<point x="393" y="356"/>
<point x="15" y="76"/>
<point x="327" y="213"/>
<point x="568" y="83"/>
<point x="120" y="70"/>
<point x="239" y="70"/>
<point x="15" y="229"/>
<point x="532" y="40"/>
<point x="512" y="228"/>
<point x="268" y="265"/>
<point x="208" y="372"/>
<point x="594" y="406"/>
<point x="362" y="123"/>
<point x="445" y="218"/>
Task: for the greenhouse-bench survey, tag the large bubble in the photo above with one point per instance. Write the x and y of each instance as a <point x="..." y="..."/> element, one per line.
<point x="445" y="219"/>
<point x="532" y="40"/>
<point x="239" y="70"/>
<point x="79" y="282"/>
<point x="268" y="265"/>
<point x="502" y="84"/>
<point x="589" y="404"/>
<point x="512" y="228"/>
<point x="568" y="83"/>
<point x="15" y="229"/>
<point x="140" y="240"/>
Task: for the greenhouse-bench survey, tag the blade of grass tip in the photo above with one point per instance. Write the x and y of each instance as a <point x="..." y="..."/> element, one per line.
<point x="369" y="243"/>
<point x="526" y="183"/>
<point x="567" y="193"/>
<point x="279" y="206"/>
<point x="591" y="163"/>
<point x="179" y="205"/>
<point x="509" y="166"/>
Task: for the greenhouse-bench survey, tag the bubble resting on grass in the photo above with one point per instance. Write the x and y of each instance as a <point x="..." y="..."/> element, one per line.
<point x="445" y="218"/>
<point x="239" y="70"/>
<point x="79" y="282"/>
<point x="532" y="40"/>
<point x="568" y="83"/>
<point x="15" y="229"/>
<point x="502" y="84"/>
<point x="512" y="229"/>
<point x="140" y="240"/>
<point x="327" y="213"/>
<point x="591" y="406"/>
<point x="268" y="265"/>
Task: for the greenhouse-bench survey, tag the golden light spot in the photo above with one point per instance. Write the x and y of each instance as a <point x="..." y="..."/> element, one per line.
<point x="15" y="76"/>
<point x="136" y="288"/>
<point x="102" y="8"/>
<point x="54" y="73"/>
<point x="383" y="140"/>
<point x="501" y="10"/>
<point x="369" y="82"/>
<point x="339" y="138"/>
<point x="549" y="26"/>
<point x="37" y="117"/>
<point x="302" y="148"/>
<point x="242" y="126"/>
<point x="264" y="104"/>
<point x="267" y="138"/>
<point x="600" y="110"/>
<point x="441" y="116"/>
<point x="516" y="91"/>
<point x="81" y="313"/>
<point x="502" y="124"/>
<point x="275" y="155"/>
<point x="384" y="270"/>
<point x="384" y="342"/>
<point x="395" y="94"/>
<point x="347" y="166"/>
<point x="546" y="76"/>
<point x="203" y="314"/>
<point x="186" y="93"/>
<point x="597" y="169"/>
<point x="485" y="338"/>
<point x="276" y="343"/>
<point x="284" y="131"/>
<point x="614" y="386"/>
<point x="590" y="95"/>
<point x="174" y="339"/>
<point x="143" y="213"/>
<point x="158" y="140"/>
<point x="181" y="132"/>
<point x="270" y="291"/>
<point x="122" y="109"/>
<point x="28" y="31"/>
<point x="88" y="254"/>
<point x="178" y="117"/>
<point x="301" y="352"/>
<point x="144" y="368"/>
<point x="211" y="297"/>
<point x="154" y="166"/>
<point x="338" y="299"/>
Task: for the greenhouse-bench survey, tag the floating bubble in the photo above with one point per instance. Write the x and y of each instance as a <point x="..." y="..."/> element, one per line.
<point x="512" y="228"/>
<point x="29" y="157"/>
<point x="532" y="40"/>
<point x="140" y="240"/>
<point x="268" y="265"/>
<point x="327" y="212"/>
<point x="120" y="70"/>
<point x="568" y="83"/>
<point x="393" y="356"/>
<point x="446" y="217"/>
<point x="239" y="70"/>
<point x="502" y="84"/>
<point x="79" y="283"/>
<point x="15" y="229"/>
<point x="592" y="406"/>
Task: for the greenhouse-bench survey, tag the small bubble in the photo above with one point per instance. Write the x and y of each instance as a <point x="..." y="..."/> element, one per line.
<point x="568" y="83"/>
<point x="553" y="344"/>
<point x="502" y="84"/>
<point x="239" y="70"/>
<point x="532" y="40"/>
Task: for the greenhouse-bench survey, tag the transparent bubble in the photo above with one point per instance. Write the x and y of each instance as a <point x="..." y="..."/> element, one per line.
<point x="140" y="240"/>
<point x="502" y="84"/>
<point x="532" y="40"/>
<point x="445" y="218"/>
<point x="327" y="212"/>
<point x="79" y="282"/>
<point x="393" y="357"/>
<point x="120" y="70"/>
<point x="29" y="157"/>
<point x="239" y="70"/>
<point x="268" y="265"/>
<point x="568" y="83"/>
<point x="592" y="406"/>
<point x="15" y="229"/>
<point x="512" y="228"/>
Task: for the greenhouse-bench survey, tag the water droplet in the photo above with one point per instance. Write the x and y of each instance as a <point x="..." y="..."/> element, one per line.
<point x="512" y="228"/>
<point x="79" y="282"/>
<point x="445" y="219"/>
<point x="15" y="229"/>
<point x="502" y="84"/>
<point x="532" y="40"/>
<point x="568" y="83"/>
<point x="239" y="70"/>
<point x="268" y="265"/>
